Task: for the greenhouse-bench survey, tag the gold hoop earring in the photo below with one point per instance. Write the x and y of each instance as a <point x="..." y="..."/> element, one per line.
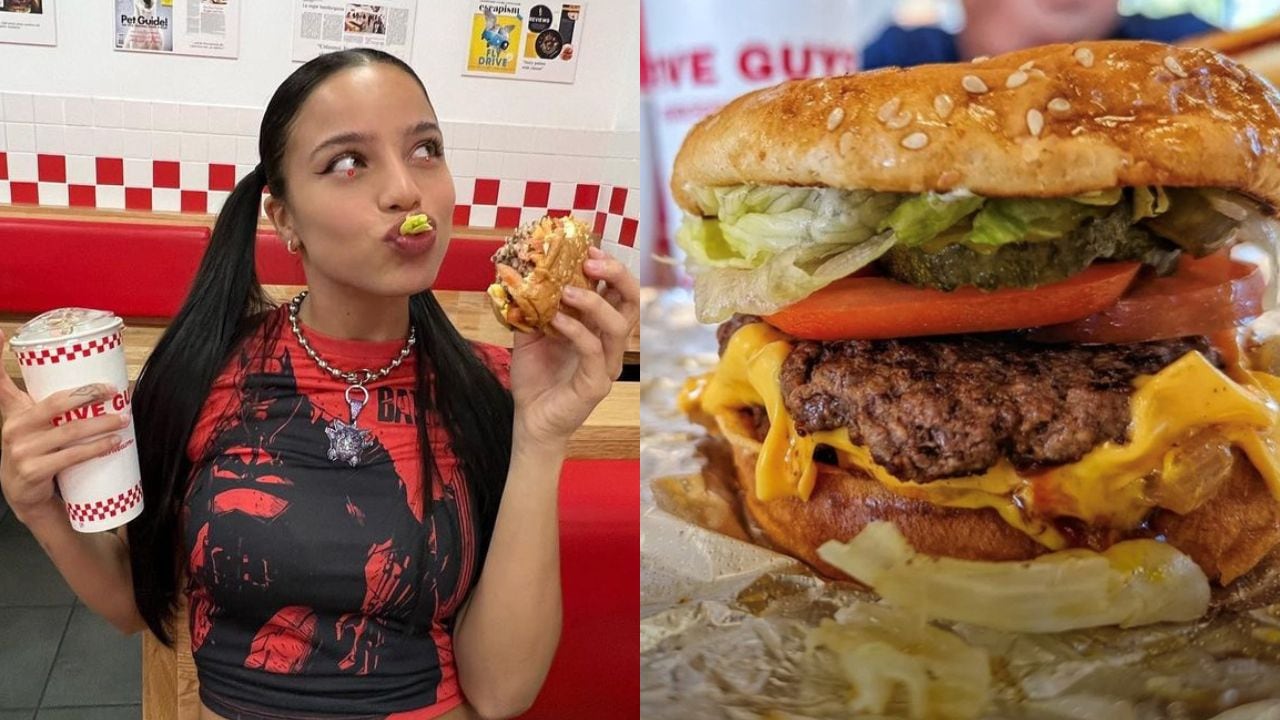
<point x="289" y="246"/>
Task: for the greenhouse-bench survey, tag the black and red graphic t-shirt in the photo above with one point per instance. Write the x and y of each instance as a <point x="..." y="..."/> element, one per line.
<point x="316" y="587"/>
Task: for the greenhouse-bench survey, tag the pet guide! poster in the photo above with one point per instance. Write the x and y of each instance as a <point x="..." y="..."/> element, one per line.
<point x="186" y="27"/>
<point x="28" y="22"/>
<point x="525" y="40"/>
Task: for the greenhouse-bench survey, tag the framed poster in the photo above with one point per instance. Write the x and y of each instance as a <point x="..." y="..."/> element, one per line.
<point x="524" y="40"/>
<point x="321" y="26"/>
<point x="28" y="22"/>
<point x="210" y="28"/>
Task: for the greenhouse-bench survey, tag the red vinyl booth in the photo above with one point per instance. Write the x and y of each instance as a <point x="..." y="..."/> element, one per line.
<point x="144" y="271"/>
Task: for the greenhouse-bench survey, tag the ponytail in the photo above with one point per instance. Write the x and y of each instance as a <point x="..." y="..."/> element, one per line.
<point x="173" y="386"/>
<point x="474" y="407"/>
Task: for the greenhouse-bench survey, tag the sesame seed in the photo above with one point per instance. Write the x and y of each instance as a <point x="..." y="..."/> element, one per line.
<point x="1084" y="56"/>
<point x="1024" y="67"/>
<point x="846" y="143"/>
<point x="973" y="84"/>
<point x="1035" y="122"/>
<point x="1236" y="71"/>
<point x="889" y="109"/>
<point x="915" y="141"/>
<point x="943" y="105"/>
<point x="982" y="58"/>
<point x="1017" y="79"/>
<point x="835" y="118"/>
<point x="1174" y="67"/>
<point x="902" y="120"/>
<point x="1078" y="130"/>
<point x="1059" y="104"/>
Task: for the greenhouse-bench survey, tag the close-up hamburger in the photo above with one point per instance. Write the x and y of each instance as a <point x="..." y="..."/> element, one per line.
<point x="1003" y="306"/>
<point x="532" y="269"/>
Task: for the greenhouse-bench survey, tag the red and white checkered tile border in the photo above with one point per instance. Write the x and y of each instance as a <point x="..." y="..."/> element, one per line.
<point x="490" y="202"/>
<point x="195" y="187"/>
<point x="54" y="356"/>
<point x="104" y="509"/>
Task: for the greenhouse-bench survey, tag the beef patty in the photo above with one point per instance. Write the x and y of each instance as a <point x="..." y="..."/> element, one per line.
<point x="933" y="408"/>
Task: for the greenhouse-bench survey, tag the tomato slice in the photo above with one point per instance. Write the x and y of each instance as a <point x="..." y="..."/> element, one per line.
<point x="1203" y="297"/>
<point x="869" y="308"/>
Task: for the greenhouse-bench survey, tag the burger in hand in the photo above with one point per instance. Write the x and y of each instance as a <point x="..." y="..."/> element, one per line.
<point x="534" y="266"/>
<point x="995" y="304"/>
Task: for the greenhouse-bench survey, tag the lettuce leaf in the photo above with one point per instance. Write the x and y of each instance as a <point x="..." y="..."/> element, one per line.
<point x="1004" y="221"/>
<point x="705" y="245"/>
<point x="752" y="224"/>
<point x="785" y="278"/>
<point x="921" y="218"/>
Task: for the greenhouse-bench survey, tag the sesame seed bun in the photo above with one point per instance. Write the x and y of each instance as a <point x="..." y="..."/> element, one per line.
<point x="1050" y="121"/>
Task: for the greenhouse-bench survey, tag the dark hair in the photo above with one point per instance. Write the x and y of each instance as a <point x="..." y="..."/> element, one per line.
<point x="226" y="304"/>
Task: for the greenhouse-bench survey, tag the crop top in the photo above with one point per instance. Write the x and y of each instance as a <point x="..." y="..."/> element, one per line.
<point x="316" y="588"/>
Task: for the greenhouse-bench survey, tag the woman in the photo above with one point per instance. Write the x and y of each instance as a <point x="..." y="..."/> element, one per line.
<point x="362" y="514"/>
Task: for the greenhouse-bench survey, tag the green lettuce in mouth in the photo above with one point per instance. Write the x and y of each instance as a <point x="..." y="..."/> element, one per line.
<point x="757" y="249"/>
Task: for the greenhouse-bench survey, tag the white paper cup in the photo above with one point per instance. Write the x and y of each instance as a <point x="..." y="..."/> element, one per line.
<point x="65" y="349"/>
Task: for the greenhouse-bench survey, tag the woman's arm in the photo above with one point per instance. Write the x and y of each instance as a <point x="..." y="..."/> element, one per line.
<point x="507" y="633"/>
<point x="32" y="452"/>
<point x="95" y="565"/>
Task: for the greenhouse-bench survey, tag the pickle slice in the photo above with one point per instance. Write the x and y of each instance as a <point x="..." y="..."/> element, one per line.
<point x="415" y="224"/>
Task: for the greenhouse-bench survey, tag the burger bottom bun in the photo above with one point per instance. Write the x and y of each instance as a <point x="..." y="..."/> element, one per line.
<point x="843" y="502"/>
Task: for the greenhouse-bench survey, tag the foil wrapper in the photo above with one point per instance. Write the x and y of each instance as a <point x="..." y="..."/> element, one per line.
<point x="724" y="620"/>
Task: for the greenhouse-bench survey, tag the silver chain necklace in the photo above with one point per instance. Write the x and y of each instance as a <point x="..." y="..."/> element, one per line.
<point x="346" y="440"/>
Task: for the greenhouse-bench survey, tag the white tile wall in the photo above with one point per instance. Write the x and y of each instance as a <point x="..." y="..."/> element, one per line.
<point x="48" y="109"/>
<point x="108" y="112"/>
<point x="22" y="166"/>
<point x="222" y="149"/>
<point x="79" y="111"/>
<point x="81" y="170"/>
<point x="463" y="189"/>
<point x="166" y="116"/>
<point x="85" y="128"/>
<point x="110" y="196"/>
<point x="224" y="120"/>
<point x="137" y="173"/>
<point x="20" y="137"/>
<point x="80" y="141"/>
<point x="51" y="139"/>
<point x="166" y="199"/>
<point x="54" y="194"/>
<point x="18" y="108"/>
<point x="195" y="147"/>
<point x="194" y="118"/>
<point x="136" y="114"/>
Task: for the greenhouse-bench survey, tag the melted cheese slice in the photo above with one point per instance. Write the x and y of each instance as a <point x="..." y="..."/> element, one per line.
<point x="1109" y="486"/>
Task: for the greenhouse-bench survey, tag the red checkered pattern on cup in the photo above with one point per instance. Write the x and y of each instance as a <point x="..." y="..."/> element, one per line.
<point x="105" y="509"/>
<point x="53" y="356"/>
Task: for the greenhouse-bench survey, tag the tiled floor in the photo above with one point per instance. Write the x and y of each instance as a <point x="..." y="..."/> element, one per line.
<point x="60" y="661"/>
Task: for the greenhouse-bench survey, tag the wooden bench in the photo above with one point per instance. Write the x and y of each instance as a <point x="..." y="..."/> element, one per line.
<point x="140" y="266"/>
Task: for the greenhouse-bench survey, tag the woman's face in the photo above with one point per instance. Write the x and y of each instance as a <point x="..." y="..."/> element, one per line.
<point x="364" y="152"/>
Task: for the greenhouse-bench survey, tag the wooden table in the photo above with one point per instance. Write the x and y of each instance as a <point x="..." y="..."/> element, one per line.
<point x="612" y="431"/>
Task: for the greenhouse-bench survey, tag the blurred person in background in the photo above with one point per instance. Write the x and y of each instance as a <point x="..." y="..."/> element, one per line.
<point x="993" y="27"/>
